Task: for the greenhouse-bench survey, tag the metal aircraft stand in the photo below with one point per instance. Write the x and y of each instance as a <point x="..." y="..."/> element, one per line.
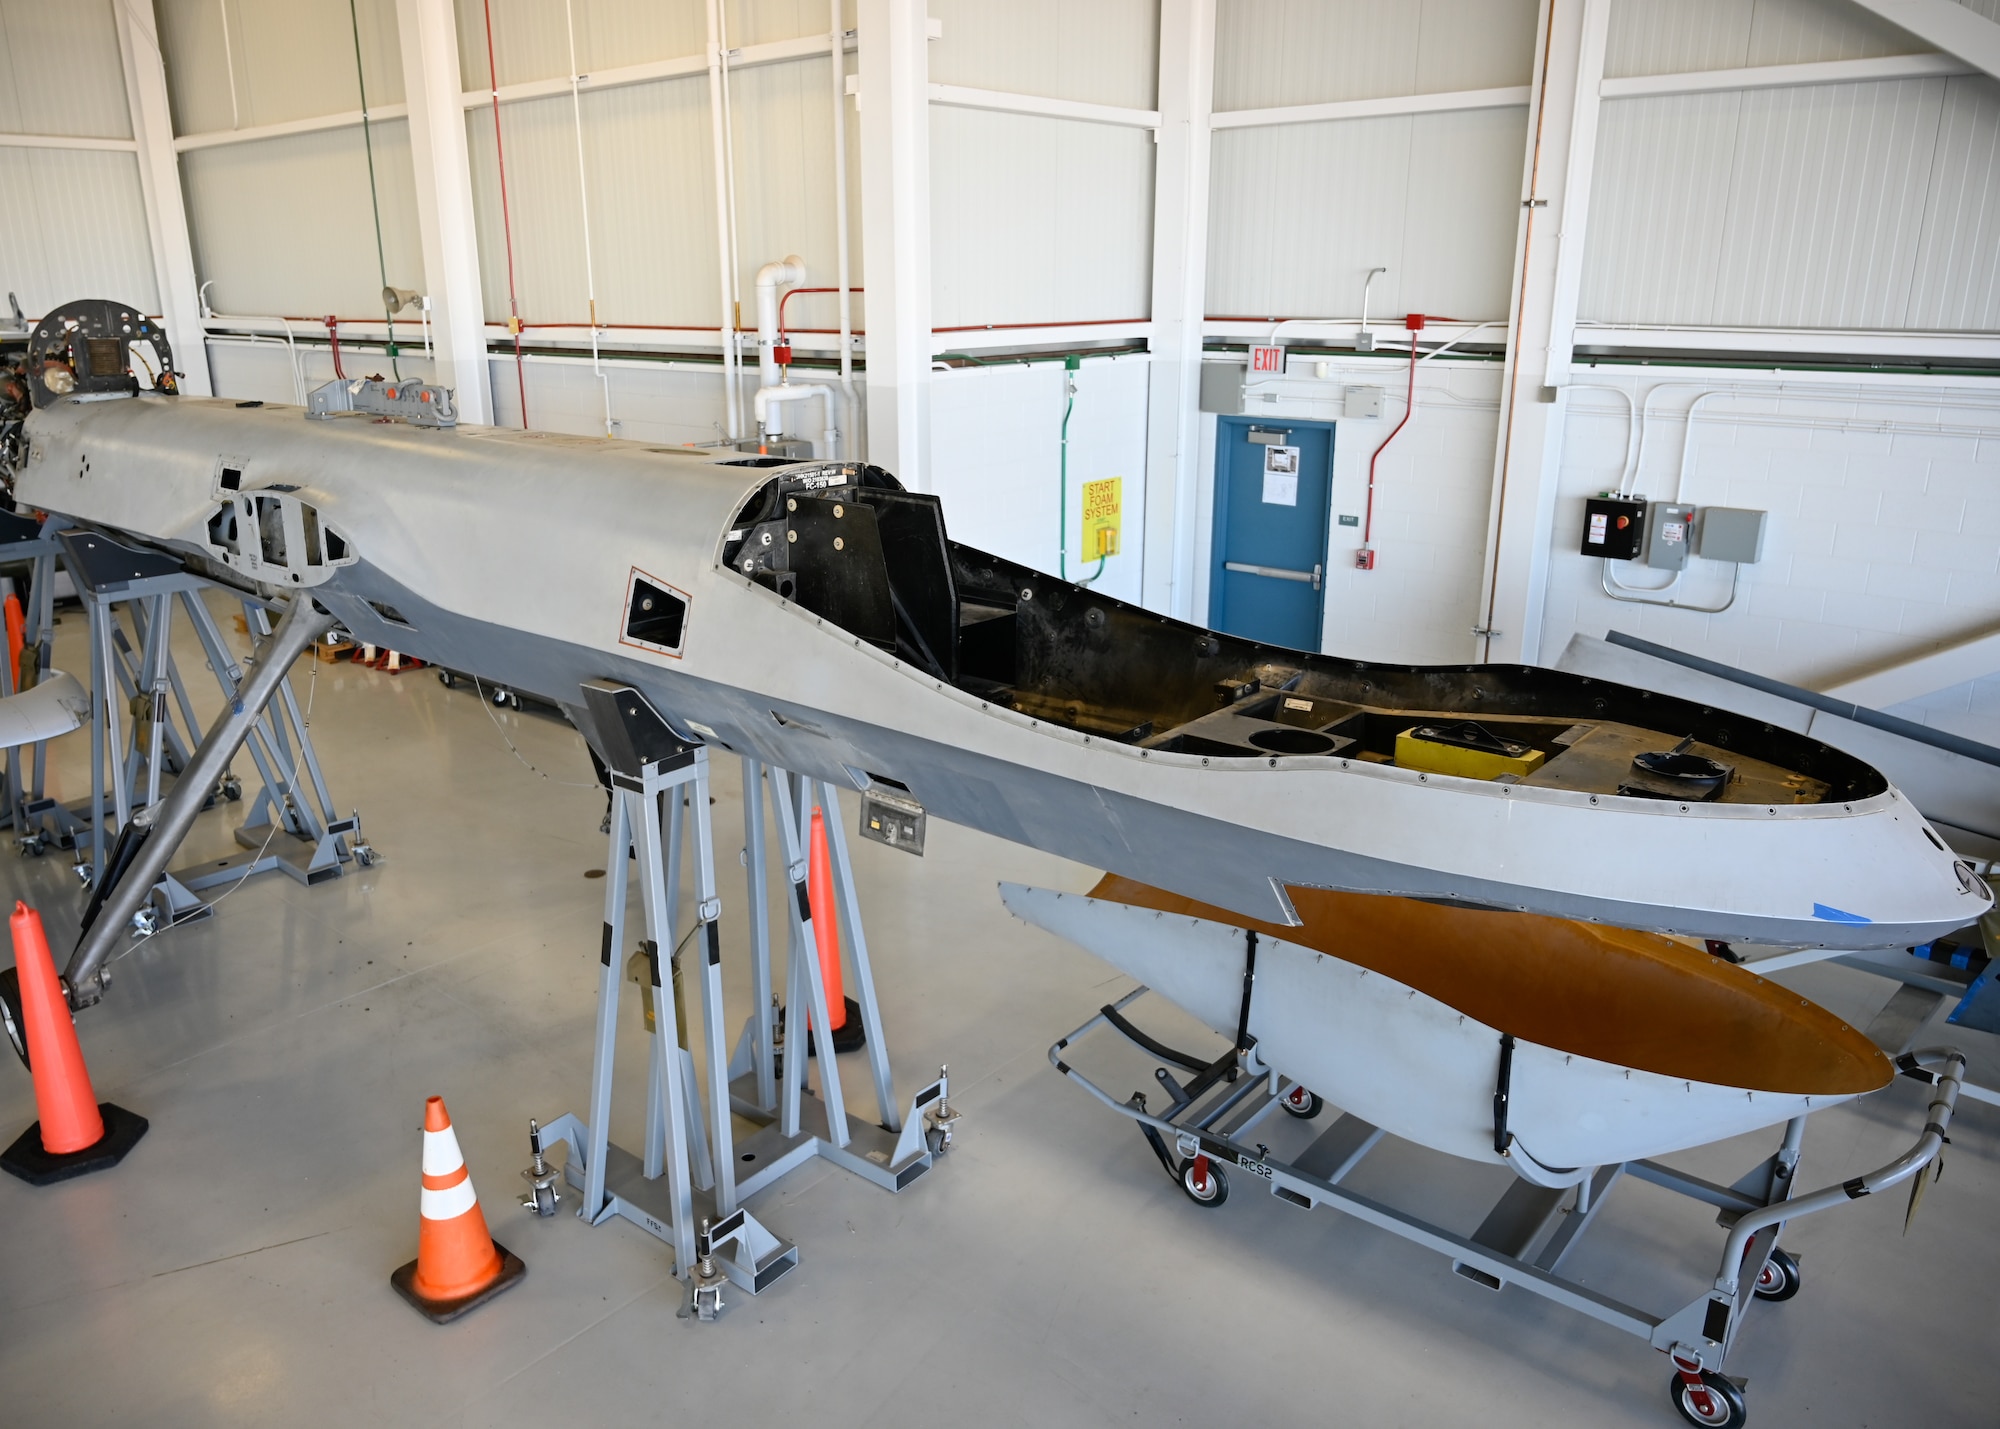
<point x="686" y="1189"/>
<point x="292" y="823"/>
<point x="1531" y="1230"/>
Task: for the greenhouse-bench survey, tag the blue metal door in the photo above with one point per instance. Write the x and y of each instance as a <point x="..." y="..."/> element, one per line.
<point x="1273" y="486"/>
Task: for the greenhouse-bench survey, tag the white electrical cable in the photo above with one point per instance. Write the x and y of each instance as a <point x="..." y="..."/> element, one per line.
<point x="515" y="749"/>
<point x="729" y="169"/>
<point x="1476" y="327"/>
<point x="583" y="205"/>
<point x="837" y="46"/>
<point x="229" y="60"/>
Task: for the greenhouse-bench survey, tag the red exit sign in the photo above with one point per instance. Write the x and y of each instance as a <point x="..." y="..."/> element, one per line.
<point x="1267" y="359"/>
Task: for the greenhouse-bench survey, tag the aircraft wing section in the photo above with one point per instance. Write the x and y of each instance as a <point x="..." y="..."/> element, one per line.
<point x="56" y="705"/>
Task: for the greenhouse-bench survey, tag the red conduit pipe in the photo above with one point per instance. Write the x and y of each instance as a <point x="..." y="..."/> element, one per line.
<point x="506" y="222"/>
<point x="1366" y="559"/>
<point x="791" y="293"/>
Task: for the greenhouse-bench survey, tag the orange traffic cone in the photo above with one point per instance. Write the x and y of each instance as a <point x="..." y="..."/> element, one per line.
<point x="841" y="1010"/>
<point x="75" y="1135"/>
<point x="17" y="632"/>
<point x="458" y="1265"/>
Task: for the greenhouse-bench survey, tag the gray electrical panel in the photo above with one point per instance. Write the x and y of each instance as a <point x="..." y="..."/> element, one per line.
<point x="1729" y="533"/>
<point x="1222" y="388"/>
<point x="1667" y="529"/>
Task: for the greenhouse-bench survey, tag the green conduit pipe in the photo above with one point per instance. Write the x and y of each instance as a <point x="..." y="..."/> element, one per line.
<point x="1071" y="365"/>
<point x="368" y="143"/>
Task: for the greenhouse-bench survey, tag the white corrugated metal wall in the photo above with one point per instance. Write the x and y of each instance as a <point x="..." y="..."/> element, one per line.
<point x="285" y="224"/>
<point x="1300" y="212"/>
<point x="74" y="222"/>
<point x="1858" y="205"/>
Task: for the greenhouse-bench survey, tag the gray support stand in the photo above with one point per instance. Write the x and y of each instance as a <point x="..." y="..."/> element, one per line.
<point x="669" y="1192"/>
<point x="167" y="823"/>
<point x="292" y="824"/>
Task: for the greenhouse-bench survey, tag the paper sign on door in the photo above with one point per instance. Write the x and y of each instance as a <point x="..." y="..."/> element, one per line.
<point x="1281" y="476"/>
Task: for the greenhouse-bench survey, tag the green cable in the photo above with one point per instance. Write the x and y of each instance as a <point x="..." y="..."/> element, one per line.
<point x="1071" y="364"/>
<point x="1062" y="539"/>
<point x="368" y="142"/>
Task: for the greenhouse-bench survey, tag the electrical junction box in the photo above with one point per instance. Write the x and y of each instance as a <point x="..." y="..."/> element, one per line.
<point x="1222" y="388"/>
<point x="1729" y="533"/>
<point x="1614" y="526"/>
<point x="1363" y="402"/>
<point x="893" y="818"/>
<point x="1668" y="527"/>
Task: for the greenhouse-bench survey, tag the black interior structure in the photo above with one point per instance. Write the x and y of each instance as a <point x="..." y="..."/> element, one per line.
<point x="848" y="543"/>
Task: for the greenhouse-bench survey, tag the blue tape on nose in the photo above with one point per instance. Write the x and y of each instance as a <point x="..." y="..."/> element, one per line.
<point x="1835" y="915"/>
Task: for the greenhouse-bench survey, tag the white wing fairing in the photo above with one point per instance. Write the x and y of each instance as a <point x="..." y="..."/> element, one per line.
<point x="1425" y="1070"/>
<point x="819" y="616"/>
<point x="54" y="705"/>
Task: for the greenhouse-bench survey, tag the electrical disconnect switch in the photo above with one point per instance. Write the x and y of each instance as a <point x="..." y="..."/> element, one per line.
<point x="1668" y="526"/>
<point x="1614" y="526"/>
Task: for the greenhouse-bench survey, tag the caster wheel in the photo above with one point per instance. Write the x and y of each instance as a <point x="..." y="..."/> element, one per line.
<point x="1204" y="1182"/>
<point x="447" y="679"/>
<point x="1301" y="1103"/>
<point x="1779" y="1279"/>
<point x="1717" y="1404"/>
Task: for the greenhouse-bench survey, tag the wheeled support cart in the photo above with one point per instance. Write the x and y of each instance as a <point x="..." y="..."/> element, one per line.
<point x="1215" y="1107"/>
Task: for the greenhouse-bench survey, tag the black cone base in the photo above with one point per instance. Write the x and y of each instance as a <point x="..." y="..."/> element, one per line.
<point x="850" y="1036"/>
<point x="28" y="1159"/>
<point x="443" y="1312"/>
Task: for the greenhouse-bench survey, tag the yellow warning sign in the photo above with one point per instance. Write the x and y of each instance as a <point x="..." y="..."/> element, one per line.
<point x="1100" y="517"/>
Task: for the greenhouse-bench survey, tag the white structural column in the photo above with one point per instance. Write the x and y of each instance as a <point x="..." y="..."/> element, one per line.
<point x="896" y="234"/>
<point x="429" y="33"/>
<point x="1548" y="273"/>
<point x="160" y="188"/>
<point x="1180" y="285"/>
<point x="1952" y="27"/>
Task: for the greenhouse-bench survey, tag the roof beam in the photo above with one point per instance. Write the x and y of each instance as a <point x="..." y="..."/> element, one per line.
<point x="1923" y="674"/>
<point x="1505" y="97"/>
<point x="1947" y="26"/>
<point x="1787" y="76"/>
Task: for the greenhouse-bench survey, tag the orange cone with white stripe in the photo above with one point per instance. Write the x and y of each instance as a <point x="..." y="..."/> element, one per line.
<point x="76" y="1134"/>
<point x="458" y="1265"/>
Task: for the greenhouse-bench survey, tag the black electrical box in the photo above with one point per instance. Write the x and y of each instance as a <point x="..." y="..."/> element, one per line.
<point x="1614" y="526"/>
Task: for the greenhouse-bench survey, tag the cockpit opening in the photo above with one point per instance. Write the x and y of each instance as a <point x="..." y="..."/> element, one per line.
<point x="848" y="543"/>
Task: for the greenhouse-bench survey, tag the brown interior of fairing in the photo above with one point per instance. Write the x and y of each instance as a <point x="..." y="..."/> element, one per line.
<point x="1635" y="1000"/>
<point x="850" y="545"/>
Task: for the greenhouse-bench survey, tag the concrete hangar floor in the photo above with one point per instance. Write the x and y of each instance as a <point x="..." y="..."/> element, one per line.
<point x="234" y="1270"/>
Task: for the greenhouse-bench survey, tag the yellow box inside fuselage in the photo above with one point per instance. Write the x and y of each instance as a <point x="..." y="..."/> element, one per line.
<point x="1434" y="757"/>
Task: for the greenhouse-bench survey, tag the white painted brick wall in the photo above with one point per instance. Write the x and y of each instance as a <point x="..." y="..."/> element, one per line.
<point x="1884" y="534"/>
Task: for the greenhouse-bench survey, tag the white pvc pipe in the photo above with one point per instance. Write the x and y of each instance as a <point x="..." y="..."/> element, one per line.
<point x="837" y="50"/>
<point x="770" y="402"/>
<point x="788" y="272"/>
<point x="732" y="411"/>
<point x="583" y="210"/>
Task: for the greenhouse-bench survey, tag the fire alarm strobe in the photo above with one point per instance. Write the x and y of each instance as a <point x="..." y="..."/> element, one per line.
<point x="1614" y="526"/>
